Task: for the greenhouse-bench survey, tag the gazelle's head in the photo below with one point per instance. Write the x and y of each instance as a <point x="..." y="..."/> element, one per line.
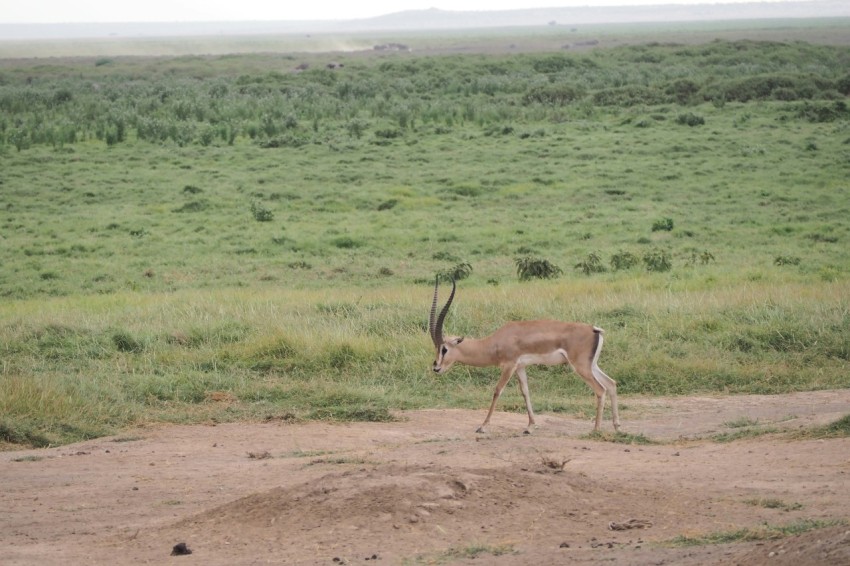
<point x="445" y="347"/>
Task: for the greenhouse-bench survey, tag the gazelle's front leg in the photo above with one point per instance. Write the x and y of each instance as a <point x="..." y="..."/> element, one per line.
<point x="523" y="386"/>
<point x="507" y="372"/>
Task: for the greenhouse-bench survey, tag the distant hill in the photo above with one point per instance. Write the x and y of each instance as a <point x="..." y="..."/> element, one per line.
<point x="442" y="19"/>
<point x="435" y="19"/>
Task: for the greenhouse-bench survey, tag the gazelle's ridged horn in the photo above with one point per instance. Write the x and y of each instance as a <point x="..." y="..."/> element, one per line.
<point x="432" y="323"/>
<point x="438" y="330"/>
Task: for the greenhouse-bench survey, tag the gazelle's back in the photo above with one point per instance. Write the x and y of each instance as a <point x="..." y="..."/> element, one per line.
<point x="545" y="336"/>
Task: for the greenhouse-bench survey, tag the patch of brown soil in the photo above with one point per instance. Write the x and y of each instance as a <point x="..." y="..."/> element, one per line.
<point x="426" y="489"/>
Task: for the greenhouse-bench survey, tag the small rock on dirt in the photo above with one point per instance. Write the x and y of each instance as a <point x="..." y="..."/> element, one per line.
<point x="180" y="549"/>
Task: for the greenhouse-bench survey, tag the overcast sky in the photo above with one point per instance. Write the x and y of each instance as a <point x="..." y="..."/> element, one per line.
<point x="65" y="11"/>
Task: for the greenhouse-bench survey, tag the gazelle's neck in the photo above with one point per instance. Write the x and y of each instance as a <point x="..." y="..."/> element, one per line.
<point x="475" y="352"/>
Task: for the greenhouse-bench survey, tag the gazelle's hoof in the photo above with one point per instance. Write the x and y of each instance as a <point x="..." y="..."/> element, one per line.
<point x="480" y="430"/>
<point x="527" y="431"/>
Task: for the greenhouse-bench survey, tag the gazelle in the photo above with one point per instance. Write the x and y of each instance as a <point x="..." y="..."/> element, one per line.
<point x="519" y="344"/>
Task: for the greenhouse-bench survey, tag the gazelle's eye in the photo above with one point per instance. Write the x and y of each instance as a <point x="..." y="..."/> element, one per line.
<point x="445" y="350"/>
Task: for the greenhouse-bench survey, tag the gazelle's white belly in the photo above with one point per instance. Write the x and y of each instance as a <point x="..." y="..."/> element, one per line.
<point x="551" y="359"/>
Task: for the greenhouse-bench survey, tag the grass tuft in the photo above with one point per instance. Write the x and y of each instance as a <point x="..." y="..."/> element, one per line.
<point x="620" y="438"/>
<point x="839" y="428"/>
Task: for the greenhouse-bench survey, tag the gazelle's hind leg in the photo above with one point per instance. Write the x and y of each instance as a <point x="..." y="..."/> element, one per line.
<point x="611" y="388"/>
<point x="600" y="383"/>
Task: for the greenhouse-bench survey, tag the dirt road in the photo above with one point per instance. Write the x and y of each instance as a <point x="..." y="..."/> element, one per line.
<point x="428" y="490"/>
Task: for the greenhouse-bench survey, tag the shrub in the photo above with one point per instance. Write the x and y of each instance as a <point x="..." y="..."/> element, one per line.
<point x="794" y="86"/>
<point x="703" y="258"/>
<point x="261" y="213"/>
<point x="346" y="243"/>
<point x="192" y="206"/>
<point x="682" y="90"/>
<point x="591" y="264"/>
<point x="631" y="95"/>
<point x="781" y="260"/>
<point x="664" y="224"/>
<point x="443" y="255"/>
<point x="460" y="271"/>
<point x="820" y="113"/>
<point x="499" y="130"/>
<point x="657" y="260"/>
<point x="553" y="63"/>
<point x="624" y="260"/>
<point x="466" y="191"/>
<point x="124" y="342"/>
<point x="356" y="128"/>
<point x="530" y="267"/>
<point x="388" y="133"/>
<point x="843" y="85"/>
<point x="556" y="95"/>
<point x="690" y="119"/>
<point x="287" y="140"/>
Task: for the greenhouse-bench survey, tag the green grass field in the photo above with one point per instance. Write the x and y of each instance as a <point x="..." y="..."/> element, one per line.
<point x="220" y="238"/>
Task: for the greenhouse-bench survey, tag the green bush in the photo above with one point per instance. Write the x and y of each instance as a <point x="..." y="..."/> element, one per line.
<point x="823" y="112"/>
<point x="781" y="260"/>
<point x="657" y="260"/>
<point x="663" y="225"/>
<point x="703" y="258"/>
<point x="261" y="213"/>
<point x="683" y="91"/>
<point x="456" y="273"/>
<point x="531" y="267"/>
<point x="192" y="206"/>
<point x="690" y="119"/>
<point x="125" y="342"/>
<point x="346" y="243"/>
<point x="591" y="264"/>
<point x="556" y="95"/>
<point x="624" y="260"/>
<point x="770" y="86"/>
<point x="631" y="95"/>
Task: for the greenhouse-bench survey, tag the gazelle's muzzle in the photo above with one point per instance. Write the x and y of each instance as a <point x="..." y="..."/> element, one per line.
<point x="438" y="362"/>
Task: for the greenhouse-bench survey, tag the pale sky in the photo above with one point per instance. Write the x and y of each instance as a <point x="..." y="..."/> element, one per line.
<point x="74" y="11"/>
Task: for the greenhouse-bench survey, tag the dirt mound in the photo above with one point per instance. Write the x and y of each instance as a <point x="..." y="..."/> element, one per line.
<point x="829" y="546"/>
<point x="364" y="498"/>
<point x="430" y="508"/>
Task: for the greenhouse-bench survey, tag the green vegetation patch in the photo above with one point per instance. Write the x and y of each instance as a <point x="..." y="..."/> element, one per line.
<point x="765" y="532"/>
<point x="774" y="504"/>
<point x="620" y="438"/>
<point x="839" y="428"/>
<point x="221" y="238"/>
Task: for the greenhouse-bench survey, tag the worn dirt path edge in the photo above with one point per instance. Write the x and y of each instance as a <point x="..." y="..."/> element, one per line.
<point x="427" y="490"/>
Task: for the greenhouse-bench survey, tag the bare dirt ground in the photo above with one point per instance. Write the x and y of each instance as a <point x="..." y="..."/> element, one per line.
<point x="428" y="490"/>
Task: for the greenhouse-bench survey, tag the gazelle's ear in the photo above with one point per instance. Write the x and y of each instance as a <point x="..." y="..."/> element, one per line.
<point x="457" y="340"/>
